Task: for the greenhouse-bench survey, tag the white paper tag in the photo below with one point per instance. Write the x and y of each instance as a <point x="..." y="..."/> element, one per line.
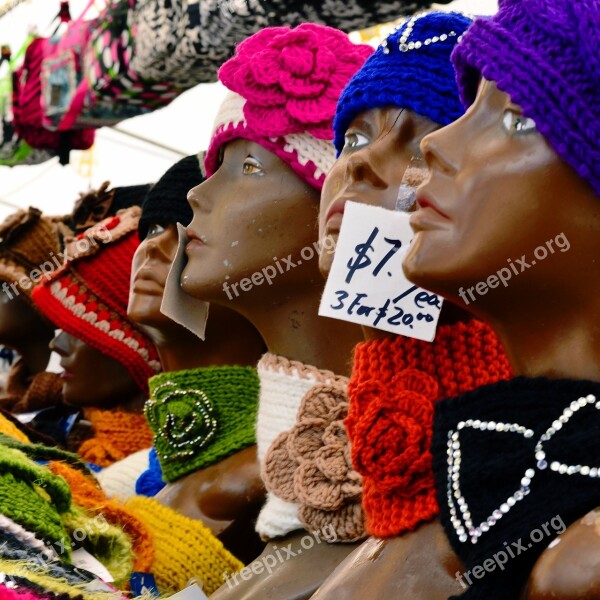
<point x="82" y="559"/>
<point x="192" y="592"/>
<point x="185" y="310"/>
<point x="366" y="284"/>
<point x="28" y="416"/>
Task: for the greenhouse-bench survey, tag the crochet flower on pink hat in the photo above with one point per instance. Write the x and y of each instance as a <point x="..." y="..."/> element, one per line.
<point x="292" y="78"/>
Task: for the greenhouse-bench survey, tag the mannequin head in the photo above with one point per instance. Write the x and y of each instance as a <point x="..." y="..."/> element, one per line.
<point x="395" y="99"/>
<point x="254" y="232"/>
<point x="87" y="298"/>
<point x="512" y="200"/>
<point x="91" y="378"/>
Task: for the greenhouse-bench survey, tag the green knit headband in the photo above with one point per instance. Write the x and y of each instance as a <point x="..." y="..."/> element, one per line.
<point x="200" y="416"/>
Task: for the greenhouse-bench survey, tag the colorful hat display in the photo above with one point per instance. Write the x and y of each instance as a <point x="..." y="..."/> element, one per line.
<point x="544" y="55"/>
<point x="166" y="201"/>
<point x="88" y="297"/>
<point x="285" y="84"/>
<point x="410" y="69"/>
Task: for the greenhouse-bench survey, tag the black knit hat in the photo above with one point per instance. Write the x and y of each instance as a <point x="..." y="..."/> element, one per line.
<point x="166" y="202"/>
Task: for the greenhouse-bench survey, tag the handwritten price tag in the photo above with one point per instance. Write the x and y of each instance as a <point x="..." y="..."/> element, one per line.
<point x="366" y="284"/>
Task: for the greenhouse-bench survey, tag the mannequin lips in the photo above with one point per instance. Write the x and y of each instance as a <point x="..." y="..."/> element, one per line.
<point x="147" y="281"/>
<point x="195" y="241"/>
<point x="428" y="215"/>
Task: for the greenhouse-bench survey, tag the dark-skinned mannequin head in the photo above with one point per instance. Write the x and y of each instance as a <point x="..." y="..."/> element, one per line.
<point x="28" y="242"/>
<point x="517" y="180"/>
<point x="258" y="209"/>
<point x="398" y="96"/>
<point x="230" y="339"/>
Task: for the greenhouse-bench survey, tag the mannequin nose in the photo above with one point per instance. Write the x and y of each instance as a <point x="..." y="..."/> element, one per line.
<point x="61" y="344"/>
<point x="360" y="169"/>
<point x="440" y="149"/>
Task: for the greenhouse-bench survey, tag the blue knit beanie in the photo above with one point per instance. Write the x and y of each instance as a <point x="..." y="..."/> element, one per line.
<point x="410" y="69"/>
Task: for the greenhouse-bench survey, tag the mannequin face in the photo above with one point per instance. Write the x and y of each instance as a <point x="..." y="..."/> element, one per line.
<point x="379" y="145"/>
<point x="90" y="377"/>
<point x="498" y="191"/>
<point x="19" y="320"/>
<point x="150" y="267"/>
<point x="253" y="210"/>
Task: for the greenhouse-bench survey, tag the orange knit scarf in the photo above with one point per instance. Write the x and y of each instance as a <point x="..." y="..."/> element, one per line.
<point x="117" y="434"/>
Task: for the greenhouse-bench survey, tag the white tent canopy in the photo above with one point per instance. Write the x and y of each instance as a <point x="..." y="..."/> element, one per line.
<point x="138" y="150"/>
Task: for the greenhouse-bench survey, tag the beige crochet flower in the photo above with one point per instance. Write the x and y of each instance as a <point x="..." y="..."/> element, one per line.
<point x="311" y="465"/>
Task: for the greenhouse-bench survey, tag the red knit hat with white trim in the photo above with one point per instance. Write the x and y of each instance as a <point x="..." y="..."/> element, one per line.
<point x="88" y="296"/>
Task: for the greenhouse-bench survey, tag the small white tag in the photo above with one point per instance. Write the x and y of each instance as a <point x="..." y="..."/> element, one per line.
<point x="366" y="284"/>
<point x="28" y="416"/>
<point x="82" y="559"/>
<point x="192" y="592"/>
<point x="185" y="310"/>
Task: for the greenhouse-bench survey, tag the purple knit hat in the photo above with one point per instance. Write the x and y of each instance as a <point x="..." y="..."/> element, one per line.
<point x="545" y="55"/>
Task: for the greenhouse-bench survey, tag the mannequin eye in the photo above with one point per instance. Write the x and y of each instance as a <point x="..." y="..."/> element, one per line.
<point x="154" y="230"/>
<point x="516" y="124"/>
<point x="252" y="166"/>
<point x="355" y="140"/>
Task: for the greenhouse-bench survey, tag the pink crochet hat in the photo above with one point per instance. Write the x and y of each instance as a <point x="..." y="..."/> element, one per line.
<point x="285" y="86"/>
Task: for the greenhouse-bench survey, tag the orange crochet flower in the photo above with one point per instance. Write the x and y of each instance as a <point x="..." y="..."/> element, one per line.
<point x="390" y="428"/>
<point x="311" y="465"/>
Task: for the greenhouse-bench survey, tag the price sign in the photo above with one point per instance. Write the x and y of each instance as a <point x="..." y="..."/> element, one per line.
<point x="366" y="284"/>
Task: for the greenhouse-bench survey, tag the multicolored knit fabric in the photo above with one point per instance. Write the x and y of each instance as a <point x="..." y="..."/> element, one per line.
<point x="184" y="548"/>
<point x="410" y="69"/>
<point x="285" y="84"/>
<point x="562" y="93"/>
<point x="200" y="416"/>
<point x="88" y="297"/>
<point x="394" y="385"/>
<point x="117" y="434"/>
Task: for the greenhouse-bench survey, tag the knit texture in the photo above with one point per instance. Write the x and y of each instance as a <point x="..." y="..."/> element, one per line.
<point x="11" y="594"/>
<point x="88" y="495"/>
<point x="496" y="486"/>
<point x="310" y="465"/>
<point x="117" y="434"/>
<point x="33" y="497"/>
<point x="200" y="416"/>
<point x="394" y="385"/>
<point x="10" y="429"/>
<point x="286" y="83"/>
<point x="95" y="205"/>
<point x="166" y="201"/>
<point x="26" y="392"/>
<point x="28" y="240"/>
<point x="562" y="93"/>
<point x="283" y="384"/>
<point x="184" y="548"/>
<point x="151" y="481"/>
<point x="119" y="479"/>
<point x="88" y="297"/>
<point x="408" y="70"/>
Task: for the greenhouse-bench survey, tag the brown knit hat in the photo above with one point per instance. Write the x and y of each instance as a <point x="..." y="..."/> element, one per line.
<point x="30" y="246"/>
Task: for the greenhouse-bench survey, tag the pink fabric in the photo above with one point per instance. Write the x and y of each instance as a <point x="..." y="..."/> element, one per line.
<point x="292" y="78"/>
<point x="10" y="594"/>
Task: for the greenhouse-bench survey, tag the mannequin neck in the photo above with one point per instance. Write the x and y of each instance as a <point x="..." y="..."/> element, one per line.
<point x="290" y="325"/>
<point x="552" y="339"/>
<point x="230" y="340"/>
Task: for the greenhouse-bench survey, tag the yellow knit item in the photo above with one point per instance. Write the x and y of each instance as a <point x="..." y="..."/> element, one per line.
<point x="183" y="547"/>
<point x="10" y="429"/>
